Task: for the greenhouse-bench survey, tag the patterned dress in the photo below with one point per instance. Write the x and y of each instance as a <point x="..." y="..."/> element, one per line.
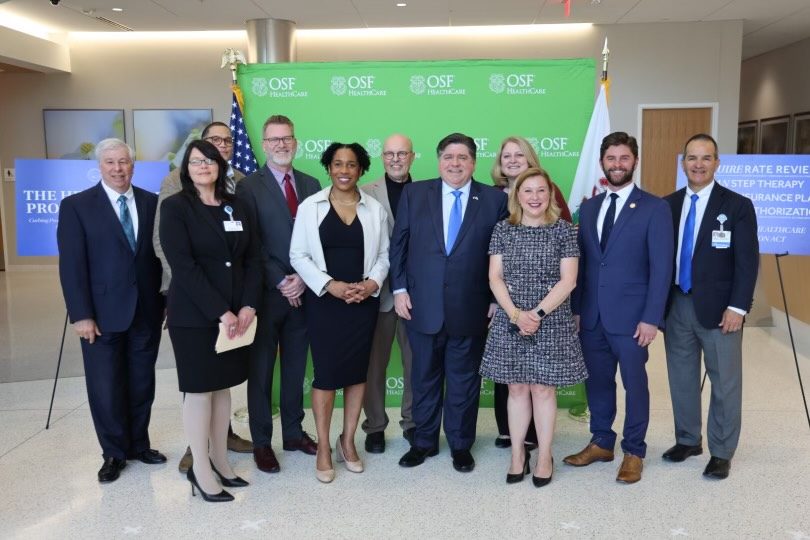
<point x="531" y="267"/>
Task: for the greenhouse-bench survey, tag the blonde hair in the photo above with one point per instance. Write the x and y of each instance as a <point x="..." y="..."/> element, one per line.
<point x="516" y="211"/>
<point x="498" y="178"/>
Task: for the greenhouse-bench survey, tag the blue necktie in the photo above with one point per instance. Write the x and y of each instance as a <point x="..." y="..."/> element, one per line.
<point x="610" y="218"/>
<point x="454" y="224"/>
<point x="126" y="221"/>
<point x="687" y="244"/>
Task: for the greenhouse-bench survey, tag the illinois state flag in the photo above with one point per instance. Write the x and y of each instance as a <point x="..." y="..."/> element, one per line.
<point x="243" y="159"/>
<point x="590" y="179"/>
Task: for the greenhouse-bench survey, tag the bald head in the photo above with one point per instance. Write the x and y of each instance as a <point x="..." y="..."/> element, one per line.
<point x="397" y="157"/>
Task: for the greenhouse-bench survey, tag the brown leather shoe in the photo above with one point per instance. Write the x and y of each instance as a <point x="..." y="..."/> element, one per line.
<point x="305" y="444"/>
<point x="238" y="444"/>
<point x="265" y="459"/>
<point x="588" y="455"/>
<point x="630" y="471"/>
<point x="186" y="461"/>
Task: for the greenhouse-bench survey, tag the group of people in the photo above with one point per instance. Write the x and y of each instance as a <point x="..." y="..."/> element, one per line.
<point x="472" y="280"/>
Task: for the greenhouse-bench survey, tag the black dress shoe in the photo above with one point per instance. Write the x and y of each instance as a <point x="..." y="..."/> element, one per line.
<point x="503" y="442"/>
<point x="416" y="456"/>
<point x="111" y="469"/>
<point x="150" y="457"/>
<point x="463" y="461"/>
<point x="408" y="435"/>
<point x="680" y="452"/>
<point x="717" y="468"/>
<point x="375" y="442"/>
<point x="515" y="478"/>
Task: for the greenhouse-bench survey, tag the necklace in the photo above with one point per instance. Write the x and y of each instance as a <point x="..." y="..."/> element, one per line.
<point x="344" y="203"/>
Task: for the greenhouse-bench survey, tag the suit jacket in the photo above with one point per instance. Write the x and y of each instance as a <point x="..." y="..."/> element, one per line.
<point x="102" y="279"/>
<point x="379" y="192"/>
<point x="628" y="283"/>
<point x="210" y="276"/>
<point x="267" y="204"/>
<point x="306" y="251"/>
<point x="171" y="185"/>
<point x="721" y="277"/>
<point x="446" y="290"/>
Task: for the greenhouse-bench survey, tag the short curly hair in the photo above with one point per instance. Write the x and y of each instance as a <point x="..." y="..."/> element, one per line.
<point x="359" y="152"/>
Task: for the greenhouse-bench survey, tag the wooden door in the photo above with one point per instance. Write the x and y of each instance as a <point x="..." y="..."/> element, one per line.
<point x="664" y="131"/>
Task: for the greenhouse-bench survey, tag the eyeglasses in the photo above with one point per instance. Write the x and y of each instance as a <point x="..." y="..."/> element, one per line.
<point x="391" y="155"/>
<point x="217" y="140"/>
<point x="275" y="141"/>
<point x="198" y="162"/>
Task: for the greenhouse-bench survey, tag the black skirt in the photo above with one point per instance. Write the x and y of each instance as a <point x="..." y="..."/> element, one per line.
<point x="199" y="368"/>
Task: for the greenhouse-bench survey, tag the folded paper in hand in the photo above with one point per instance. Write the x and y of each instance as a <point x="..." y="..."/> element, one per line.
<point x="224" y="344"/>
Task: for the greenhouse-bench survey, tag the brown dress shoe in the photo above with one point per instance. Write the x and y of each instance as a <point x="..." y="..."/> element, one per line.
<point x="630" y="471"/>
<point x="186" y="461"/>
<point x="305" y="444"/>
<point x="238" y="444"/>
<point x="265" y="459"/>
<point x="588" y="455"/>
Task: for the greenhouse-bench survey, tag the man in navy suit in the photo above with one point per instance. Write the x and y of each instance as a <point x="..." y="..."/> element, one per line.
<point x="439" y="276"/>
<point x="111" y="282"/>
<point x="716" y="267"/>
<point x="625" y="268"/>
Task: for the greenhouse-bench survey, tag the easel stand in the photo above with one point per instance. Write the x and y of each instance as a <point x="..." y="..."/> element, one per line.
<point x="790" y="332"/>
<point x="56" y="377"/>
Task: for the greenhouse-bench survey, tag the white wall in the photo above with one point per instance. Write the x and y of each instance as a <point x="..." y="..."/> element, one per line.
<point x="776" y="83"/>
<point x="649" y="63"/>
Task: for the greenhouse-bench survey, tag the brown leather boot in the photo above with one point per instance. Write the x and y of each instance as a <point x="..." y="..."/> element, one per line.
<point x="588" y="455"/>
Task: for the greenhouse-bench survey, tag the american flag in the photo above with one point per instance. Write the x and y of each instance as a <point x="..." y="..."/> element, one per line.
<point x="243" y="159"/>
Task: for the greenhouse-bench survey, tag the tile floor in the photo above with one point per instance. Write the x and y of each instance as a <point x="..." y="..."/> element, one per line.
<point x="49" y="488"/>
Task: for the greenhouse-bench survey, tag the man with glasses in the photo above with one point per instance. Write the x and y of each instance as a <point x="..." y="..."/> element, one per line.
<point x="273" y="193"/>
<point x="397" y="159"/>
<point x="218" y="134"/>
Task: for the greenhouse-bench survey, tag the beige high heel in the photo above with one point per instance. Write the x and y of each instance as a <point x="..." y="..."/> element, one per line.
<point x="351" y="466"/>
<point x="324" y="476"/>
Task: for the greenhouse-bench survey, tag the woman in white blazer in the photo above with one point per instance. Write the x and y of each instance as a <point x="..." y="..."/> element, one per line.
<point x="339" y="247"/>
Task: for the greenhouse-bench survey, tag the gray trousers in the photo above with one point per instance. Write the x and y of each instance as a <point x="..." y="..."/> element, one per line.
<point x="684" y="339"/>
<point x="388" y="325"/>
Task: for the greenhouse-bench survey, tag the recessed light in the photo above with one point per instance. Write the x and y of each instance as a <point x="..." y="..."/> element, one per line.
<point x="401" y="4"/>
<point x="117" y="9"/>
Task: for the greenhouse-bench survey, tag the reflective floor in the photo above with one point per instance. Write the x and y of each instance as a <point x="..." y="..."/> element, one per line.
<point x="49" y="487"/>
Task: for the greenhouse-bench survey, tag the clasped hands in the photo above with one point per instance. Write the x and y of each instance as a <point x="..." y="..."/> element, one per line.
<point x="528" y="322"/>
<point x="352" y="293"/>
<point x="237" y="325"/>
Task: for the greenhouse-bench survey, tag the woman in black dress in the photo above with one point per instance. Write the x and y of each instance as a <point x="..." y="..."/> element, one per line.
<point x="213" y="251"/>
<point x="339" y="247"/>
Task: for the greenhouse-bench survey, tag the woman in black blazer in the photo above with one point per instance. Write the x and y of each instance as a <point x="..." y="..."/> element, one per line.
<point x="213" y="251"/>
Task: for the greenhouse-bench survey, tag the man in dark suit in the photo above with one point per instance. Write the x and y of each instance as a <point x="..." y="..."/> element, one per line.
<point x="625" y="240"/>
<point x="439" y="276"/>
<point x="397" y="159"/>
<point x="716" y="267"/>
<point x="219" y="134"/>
<point x="272" y="193"/>
<point x="111" y="282"/>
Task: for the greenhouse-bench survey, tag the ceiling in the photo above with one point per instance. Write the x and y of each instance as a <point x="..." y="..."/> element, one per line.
<point x="768" y="24"/>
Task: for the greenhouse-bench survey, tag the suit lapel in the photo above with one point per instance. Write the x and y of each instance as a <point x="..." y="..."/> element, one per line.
<point x="591" y="229"/>
<point x="710" y="215"/>
<point x="624" y="216"/>
<point x="140" y="205"/>
<point x="473" y="205"/>
<point x="274" y="194"/>
<point x="435" y="208"/>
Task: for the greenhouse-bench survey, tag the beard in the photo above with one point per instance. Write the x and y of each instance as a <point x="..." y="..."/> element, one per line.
<point x="625" y="179"/>
<point x="281" y="159"/>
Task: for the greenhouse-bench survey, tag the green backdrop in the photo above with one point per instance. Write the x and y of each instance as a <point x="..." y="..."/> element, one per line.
<point x="547" y="101"/>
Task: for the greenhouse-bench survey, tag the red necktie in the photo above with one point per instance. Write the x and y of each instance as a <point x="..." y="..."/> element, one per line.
<point x="289" y="193"/>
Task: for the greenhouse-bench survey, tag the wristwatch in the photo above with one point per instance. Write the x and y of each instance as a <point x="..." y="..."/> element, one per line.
<point x="541" y="313"/>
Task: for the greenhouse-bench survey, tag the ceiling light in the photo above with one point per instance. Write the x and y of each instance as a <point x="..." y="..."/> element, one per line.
<point x="401" y="4"/>
<point x="118" y="9"/>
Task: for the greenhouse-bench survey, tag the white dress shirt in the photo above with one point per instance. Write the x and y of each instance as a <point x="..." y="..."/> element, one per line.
<point x="623" y="194"/>
<point x="130" y="195"/>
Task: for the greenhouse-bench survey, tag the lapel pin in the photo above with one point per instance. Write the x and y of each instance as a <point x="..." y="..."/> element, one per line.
<point x="475" y="197"/>
<point x="632" y="205"/>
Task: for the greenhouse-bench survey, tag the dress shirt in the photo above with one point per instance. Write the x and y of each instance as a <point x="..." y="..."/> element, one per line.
<point x="623" y="194"/>
<point x="448" y="199"/>
<point x="700" y="210"/>
<point x="130" y="195"/>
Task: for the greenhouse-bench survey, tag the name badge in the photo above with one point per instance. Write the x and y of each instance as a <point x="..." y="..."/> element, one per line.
<point x="232" y="226"/>
<point x="721" y="239"/>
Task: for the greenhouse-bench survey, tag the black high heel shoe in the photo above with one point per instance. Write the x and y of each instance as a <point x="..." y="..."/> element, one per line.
<point x="222" y="496"/>
<point x="515" y="478"/>
<point x="230" y="482"/>
<point x="539" y="481"/>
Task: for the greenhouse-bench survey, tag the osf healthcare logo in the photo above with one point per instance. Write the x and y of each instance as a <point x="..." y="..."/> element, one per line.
<point x="555" y="146"/>
<point x="277" y="87"/>
<point x="514" y="84"/>
<point x="435" y="85"/>
<point x="355" y="85"/>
